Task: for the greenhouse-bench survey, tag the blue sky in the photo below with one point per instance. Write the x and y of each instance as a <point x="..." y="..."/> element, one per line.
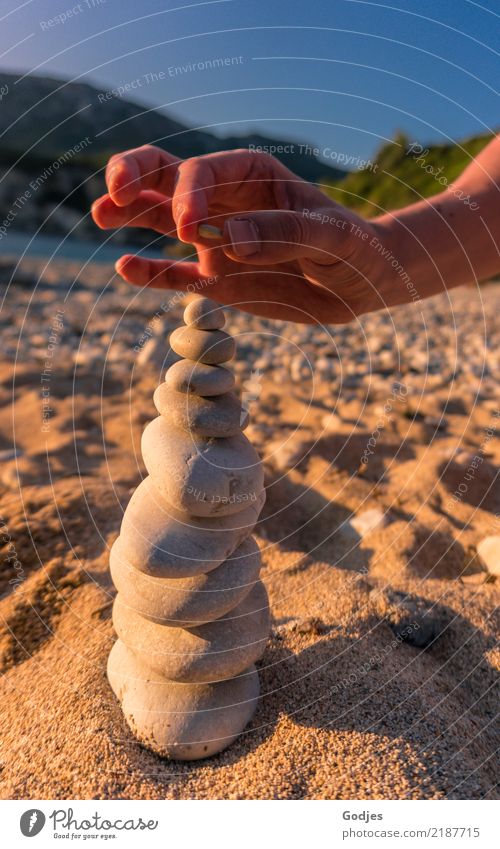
<point x="342" y="74"/>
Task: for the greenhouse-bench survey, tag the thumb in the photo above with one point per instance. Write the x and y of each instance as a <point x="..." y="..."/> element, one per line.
<point x="275" y="236"/>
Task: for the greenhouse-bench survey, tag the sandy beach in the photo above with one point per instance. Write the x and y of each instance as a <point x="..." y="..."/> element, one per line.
<point x="379" y="678"/>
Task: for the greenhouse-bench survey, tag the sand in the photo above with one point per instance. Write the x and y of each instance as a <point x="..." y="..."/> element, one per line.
<point x="379" y="679"/>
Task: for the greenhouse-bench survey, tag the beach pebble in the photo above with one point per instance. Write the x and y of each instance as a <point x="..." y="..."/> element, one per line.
<point x="181" y="721"/>
<point x="166" y="542"/>
<point x="436" y="422"/>
<point x="221" y="416"/>
<point x="204" y="314"/>
<point x="199" y="379"/>
<point x="156" y="353"/>
<point x="204" y="477"/>
<point x="185" y="602"/>
<point x="299" y="368"/>
<point x="263" y="363"/>
<point x="311" y="625"/>
<point x="190" y="608"/>
<point x="419" y="362"/>
<point x="10" y="454"/>
<point x="369" y="520"/>
<point x="286" y="454"/>
<point x="205" y="346"/>
<point x="331" y="422"/>
<point x="82" y="357"/>
<point x="488" y="552"/>
<point x="214" y="651"/>
<point x="411" y="618"/>
<point x="475" y="579"/>
<point x="460" y="457"/>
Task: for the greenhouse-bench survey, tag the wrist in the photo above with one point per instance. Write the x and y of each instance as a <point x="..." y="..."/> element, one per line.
<point x="444" y="242"/>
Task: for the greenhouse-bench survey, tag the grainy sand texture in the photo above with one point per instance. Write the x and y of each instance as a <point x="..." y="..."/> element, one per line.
<point x="379" y="681"/>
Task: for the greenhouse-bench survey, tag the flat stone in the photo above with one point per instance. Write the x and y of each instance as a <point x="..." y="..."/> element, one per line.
<point x="186" y="602"/>
<point x="436" y="422"/>
<point x="412" y="619"/>
<point x="331" y="423"/>
<point x="204" y="314"/>
<point x="212" y="652"/>
<point x="489" y="554"/>
<point x="165" y="542"/>
<point x="221" y="416"/>
<point x="476" y="579"/>
<point x="204" y="346"/>
<point x="181" y="721"/>
<point x="199" y="379"/>
<point x="204" y="477"/>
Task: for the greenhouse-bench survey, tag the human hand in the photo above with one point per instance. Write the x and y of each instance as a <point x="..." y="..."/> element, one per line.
<point x="286" y="251"/>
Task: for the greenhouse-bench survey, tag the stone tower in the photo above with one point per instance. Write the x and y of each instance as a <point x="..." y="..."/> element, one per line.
<point x="191" y="614"/>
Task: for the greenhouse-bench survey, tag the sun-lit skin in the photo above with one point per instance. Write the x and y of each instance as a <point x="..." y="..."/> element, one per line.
<point x="300" y="256"/>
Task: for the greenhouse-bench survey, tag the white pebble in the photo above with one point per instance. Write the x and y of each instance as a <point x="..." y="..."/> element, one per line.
<point x="368" y="521"/>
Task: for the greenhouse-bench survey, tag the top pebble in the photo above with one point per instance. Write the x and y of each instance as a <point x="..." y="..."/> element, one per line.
<point x="204" y="314"/>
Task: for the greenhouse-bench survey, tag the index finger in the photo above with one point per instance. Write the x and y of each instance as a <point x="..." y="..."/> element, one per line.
<point x="234" y="177"/>
<point x="147" y="167"/>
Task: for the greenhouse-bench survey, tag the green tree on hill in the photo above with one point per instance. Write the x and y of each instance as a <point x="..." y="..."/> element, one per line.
<point x="404" y="172"/>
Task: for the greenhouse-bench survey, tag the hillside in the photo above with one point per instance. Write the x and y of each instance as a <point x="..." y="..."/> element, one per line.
<point x="41" y="118"/>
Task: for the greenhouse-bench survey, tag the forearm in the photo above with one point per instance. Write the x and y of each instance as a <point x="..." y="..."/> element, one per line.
<point x="452" y="238"/>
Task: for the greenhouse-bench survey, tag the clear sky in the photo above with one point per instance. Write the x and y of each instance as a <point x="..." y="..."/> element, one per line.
<point x="342" y="74"/>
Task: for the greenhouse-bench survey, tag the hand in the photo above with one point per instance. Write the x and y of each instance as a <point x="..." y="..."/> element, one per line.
<point x="286" y="250"/>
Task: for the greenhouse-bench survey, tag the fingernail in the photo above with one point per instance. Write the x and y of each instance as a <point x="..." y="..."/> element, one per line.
<point x="244" y="236"/>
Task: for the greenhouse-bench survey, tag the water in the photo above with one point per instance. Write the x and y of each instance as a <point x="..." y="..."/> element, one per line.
<point x="16" y="244"/>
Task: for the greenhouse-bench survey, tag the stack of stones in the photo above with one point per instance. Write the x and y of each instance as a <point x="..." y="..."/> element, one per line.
<point x="191" y="614"/>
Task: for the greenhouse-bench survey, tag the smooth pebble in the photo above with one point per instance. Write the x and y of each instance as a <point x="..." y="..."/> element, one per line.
<point x="214" y="651"/>
<point x="204" y="477"/>
<point x="204" y="346"/>
<point x="204" y="314"/>
<point x="185" y="602"/>
<point x="199" y="379"/>
<point x="181" y="721"/>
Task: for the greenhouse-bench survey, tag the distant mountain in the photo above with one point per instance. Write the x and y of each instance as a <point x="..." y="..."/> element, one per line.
<point x="42" y="118"/>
